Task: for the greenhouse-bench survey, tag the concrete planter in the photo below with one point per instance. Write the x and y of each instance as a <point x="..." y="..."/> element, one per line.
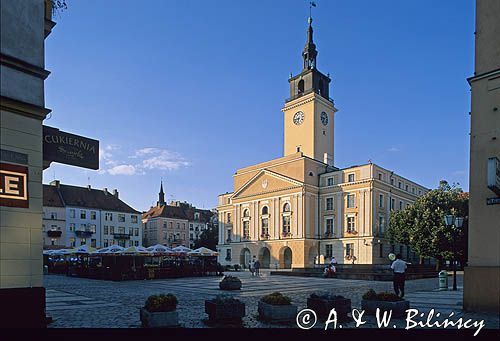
<point x="323" y="306"/>
<point x="398" y="308"/>
<point x="230" y="285"/>
<point x="159" y="319"/>
<point x="226" y="312"/>
<point x="277" y="313"/>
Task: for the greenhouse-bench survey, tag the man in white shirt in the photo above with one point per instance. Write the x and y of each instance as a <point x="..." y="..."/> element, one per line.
<point x="399" y="268"/>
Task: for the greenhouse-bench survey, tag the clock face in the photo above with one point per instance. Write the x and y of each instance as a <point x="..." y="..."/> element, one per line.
<point x="324" y="118"/>
<point x="298" y="118"/>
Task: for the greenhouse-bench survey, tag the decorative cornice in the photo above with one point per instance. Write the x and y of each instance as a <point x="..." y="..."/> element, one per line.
<point x="23" y="108"/>
<point x="21" y="65"/>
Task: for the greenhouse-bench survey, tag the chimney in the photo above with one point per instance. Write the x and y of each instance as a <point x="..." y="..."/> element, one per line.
<point x="115" y="193"/>
<point x="55" y="183"/>
<point x="106" y="191"/>
<point x="88" y="187"/>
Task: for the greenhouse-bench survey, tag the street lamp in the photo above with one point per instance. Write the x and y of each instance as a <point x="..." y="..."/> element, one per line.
<point x="449" y="221"/>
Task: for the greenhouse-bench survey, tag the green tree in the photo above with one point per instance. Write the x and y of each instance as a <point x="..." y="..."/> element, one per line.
<point x="208" y="238"/>
<point x="422" y="227"/>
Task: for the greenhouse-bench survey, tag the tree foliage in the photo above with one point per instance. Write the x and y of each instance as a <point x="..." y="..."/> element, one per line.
<point x="208" y="238"/>
<point x="422" y="227"/>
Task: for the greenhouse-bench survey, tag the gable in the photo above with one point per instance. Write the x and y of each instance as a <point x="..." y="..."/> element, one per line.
<point x="266" y="182"/>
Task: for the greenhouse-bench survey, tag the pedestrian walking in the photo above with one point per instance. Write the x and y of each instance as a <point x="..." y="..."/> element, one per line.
<point x="399" y="268"/>
<point x="257" y="267"/>
<point x="251" y="266"/>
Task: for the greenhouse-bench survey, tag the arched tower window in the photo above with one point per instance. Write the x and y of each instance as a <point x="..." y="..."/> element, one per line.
<point x="321" y="89"/>
<point x="300" y="88"/>
<point x="246" y="213"/>
<point x="286" y="207"/>
<point x="265" y="210"/>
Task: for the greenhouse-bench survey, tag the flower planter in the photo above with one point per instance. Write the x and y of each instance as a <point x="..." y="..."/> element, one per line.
<point x="159" y="319"/>
<point x="230" y="284"/>
<point x="398" y="307"/>
<point x="225" y="312"/>
<point x="323" y="306"/>
<point x="277" y="313"/>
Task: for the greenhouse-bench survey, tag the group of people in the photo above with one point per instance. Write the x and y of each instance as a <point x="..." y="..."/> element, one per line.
<point x="254" y="266"/>
<point x="330" y="269"/>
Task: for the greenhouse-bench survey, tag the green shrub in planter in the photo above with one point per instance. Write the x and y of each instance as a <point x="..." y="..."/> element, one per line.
<point x="230" y="283"/>
<point x="384" y="301"/>
<point x="277" y="307"/>
<point x="160" y="311"/>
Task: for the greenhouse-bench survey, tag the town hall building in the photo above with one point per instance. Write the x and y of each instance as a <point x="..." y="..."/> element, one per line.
<point x="299" y="209"/>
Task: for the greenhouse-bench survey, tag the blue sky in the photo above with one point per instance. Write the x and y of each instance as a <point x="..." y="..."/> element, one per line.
<point x="189" y="91"/>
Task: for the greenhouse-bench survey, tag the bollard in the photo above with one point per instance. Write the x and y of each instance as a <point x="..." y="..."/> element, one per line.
<point x="443" y="280"/>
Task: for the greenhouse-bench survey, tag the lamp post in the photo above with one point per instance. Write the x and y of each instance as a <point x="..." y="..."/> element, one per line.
<point x="449" y="221"/>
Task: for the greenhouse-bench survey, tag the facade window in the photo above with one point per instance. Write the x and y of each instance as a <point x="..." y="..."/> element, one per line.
<point x="121" y="230"/>
<point x="419" y="192"/>
<point x="351" y="224"/>
<point x="286" y="207"/>
<point x="136" y="232"/>
<point x="105" y="243"/>
<point x="400" y="205"/>
<point x="229" y="218"/>
<point x="392" y="181"/>
<point x="72" y="227"/>
<point x="329" y="251"/>
<point x="349" y="249"/>
<point x="136" y="243"/>
<point x="92" y="228"/>
<point x="93" y="215"/>
<point x="265" y="210"/>
<point x="121" y="218"/>
<point x="381" y="200"/>
<point x="381" y="250"/>
<point x="111" y="230"/>
<point x="93" y="243"/>
<point x="246" y="213"/>
<point x="380" y="176"/>
<point x="71" y="213"/>
<point x="52" y="242"/>
<point x="170" y="223"/>
<point x="72" y="242"/>
<point x="83" y="214"/>
<point x="413" y="190"/>
<point x="406" y="188"/>
<point x="351" y="200"/>
<point x="133" y="219"/>
<point x="178" y="225"/>
<point x="83" y="241"/>
<point x="393" y="203"/>
<point x="183" y="226"/>
<point x="53" y="215"/>
<point x="350" y="177"/>
<point x="191" y="237"/>
<point x="246" y="229"/>
<point x="329" y="181"/>
<point x="329" y="226"/>
<point x="265" y="228"/>
<point x="108" y="216"/>
<point x="286" y="225"/>
<point x="229" y="234"/>
<point x="329" y="204"/>
<point x="196" y="216"/>
<point x="400" y="184"/>
<point x="228" y="254"/>
<point x="381" y="224"/>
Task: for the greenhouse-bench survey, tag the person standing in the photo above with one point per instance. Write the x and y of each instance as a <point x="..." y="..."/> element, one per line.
<point x="399" y="268"/>
<point x="251" y="266"/>
<point x="257" y="267"/>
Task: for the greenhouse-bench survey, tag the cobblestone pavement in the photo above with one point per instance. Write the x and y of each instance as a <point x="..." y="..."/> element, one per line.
<point x="80" y="302"/>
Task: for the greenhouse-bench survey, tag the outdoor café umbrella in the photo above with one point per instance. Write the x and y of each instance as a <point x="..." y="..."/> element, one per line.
<point x="181" y="249"/>
<point x="158" y="248"/>
<point x="134" y="250"/>
<point x="84" y="249"/>
<point x="203" y="251"/>
<point x="110" y="249"/>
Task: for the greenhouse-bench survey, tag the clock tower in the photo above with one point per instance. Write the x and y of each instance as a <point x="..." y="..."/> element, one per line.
<point x="309" y="111"/>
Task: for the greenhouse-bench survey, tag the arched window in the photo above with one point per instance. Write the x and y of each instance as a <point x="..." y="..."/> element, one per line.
<point x="286" y="207"/>
<point x="301" y="87"/>
<point x="246" y="213"/>
<point x="265" y="210"/>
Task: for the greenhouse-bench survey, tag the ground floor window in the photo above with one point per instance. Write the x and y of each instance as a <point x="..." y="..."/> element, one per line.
<point x="93" y="243"/>
<point x="349" y="249"/>
<point x="329" y="251"/>
<point x="228" y="254"/>
<point x="72" y="242"/>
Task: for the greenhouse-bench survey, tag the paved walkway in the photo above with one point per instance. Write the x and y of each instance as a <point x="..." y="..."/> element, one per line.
<point x="79" y="302"/>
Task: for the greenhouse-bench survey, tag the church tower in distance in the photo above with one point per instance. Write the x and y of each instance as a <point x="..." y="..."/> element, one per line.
<point x="309" y="111"/>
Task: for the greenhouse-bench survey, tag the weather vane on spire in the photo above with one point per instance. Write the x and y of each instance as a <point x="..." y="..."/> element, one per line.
<point x="311" y="5"/>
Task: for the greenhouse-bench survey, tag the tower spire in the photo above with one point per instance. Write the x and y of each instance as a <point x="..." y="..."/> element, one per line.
<point x="309" y="54"/>
<point x="161" y="196"/>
